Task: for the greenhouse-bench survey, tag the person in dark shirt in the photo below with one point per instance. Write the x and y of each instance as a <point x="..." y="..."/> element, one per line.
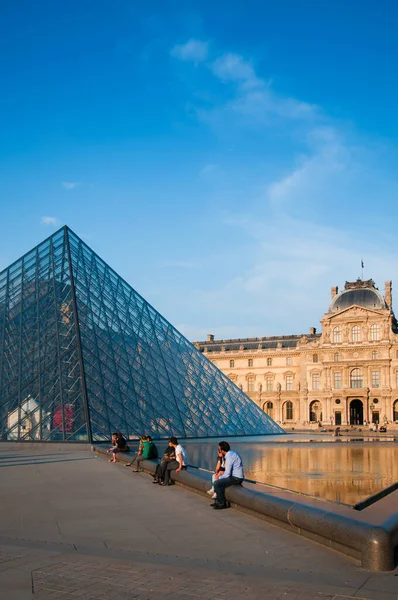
<point x="119" y="444"/>
<point x="168" y="456"/>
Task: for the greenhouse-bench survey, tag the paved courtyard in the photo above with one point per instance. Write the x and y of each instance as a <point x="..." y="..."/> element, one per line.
<point x="73" y="526"/>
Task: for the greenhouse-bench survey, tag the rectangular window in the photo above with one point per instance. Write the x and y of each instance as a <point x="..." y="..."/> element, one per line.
<point x="396" y="379"/>
<point x="337" y="335"/>
<point x="268" y="384"/>
<point x="375" y="379"/>
<point x="289" y="361"/>
<point x="250" y="385"/>
<point x="250" y="362"/>
<point x="375" y="332"/>
<point x="375" y="355"/>
<point x="269" y="362"/>
<point x="315" y="381"/>
<point x="289" y="383"/>
<point x="337" y="381"/>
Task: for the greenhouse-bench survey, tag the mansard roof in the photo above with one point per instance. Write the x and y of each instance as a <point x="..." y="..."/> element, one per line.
<point x="358" y="293"/>
<point x="259" y="343"/>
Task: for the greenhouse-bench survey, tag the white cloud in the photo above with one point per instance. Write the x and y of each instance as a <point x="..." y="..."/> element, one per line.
<point x="233" y="67"/>
<point x="50" y="221"/>
<point x="286" y="255"/>
<point x="316" y="174"/>
<point x="291" y="266"/>
<point x="71" y="185"/>
<point x="195" y="51"/>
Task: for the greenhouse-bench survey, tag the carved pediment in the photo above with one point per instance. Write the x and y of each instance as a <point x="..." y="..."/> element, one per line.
<point x="353" y="311"/>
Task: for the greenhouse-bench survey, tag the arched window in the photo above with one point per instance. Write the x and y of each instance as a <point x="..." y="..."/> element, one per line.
<point x="375" y="332"/>
<point x="356" y="379"/>
<point x="231" y="364"/>
<point x="337" y="335"/>
<point x="269" y="408"/>
<point x="289" y="411"/>
<point x="395" y="411"/>
<point x="315" y="411"/>
<point x="269" y="362"/>
<point x="336" y="357"/>
<point x="356" y="333"/>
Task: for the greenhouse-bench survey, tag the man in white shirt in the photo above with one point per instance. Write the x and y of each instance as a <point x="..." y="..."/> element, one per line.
<point x="233" y="474"/>
<point x="177" y="465"/>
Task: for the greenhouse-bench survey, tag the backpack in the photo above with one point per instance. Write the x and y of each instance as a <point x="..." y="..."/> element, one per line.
<point x="153" y="451"/>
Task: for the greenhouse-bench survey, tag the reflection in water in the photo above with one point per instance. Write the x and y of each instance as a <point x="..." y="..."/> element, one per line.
<point x="343" y="472"/>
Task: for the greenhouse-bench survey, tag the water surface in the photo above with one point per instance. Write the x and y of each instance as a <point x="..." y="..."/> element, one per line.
<point x="343" y="471"/>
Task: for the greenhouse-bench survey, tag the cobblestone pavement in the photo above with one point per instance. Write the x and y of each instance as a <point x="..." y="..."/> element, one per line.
<point x="97" y="578"/>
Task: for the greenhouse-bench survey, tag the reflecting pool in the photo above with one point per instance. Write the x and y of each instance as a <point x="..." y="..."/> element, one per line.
<point x="344" y="471"/>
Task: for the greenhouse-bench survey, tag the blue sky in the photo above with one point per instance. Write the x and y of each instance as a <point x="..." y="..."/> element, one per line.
<point x="231" y="160"/>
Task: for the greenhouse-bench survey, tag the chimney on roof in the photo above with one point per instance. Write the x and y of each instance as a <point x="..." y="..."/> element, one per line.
<point x="388" y="294"/>
<point x="312" y="330"/>
<point x="210" y="337"/>
<point x="335" y="291"/>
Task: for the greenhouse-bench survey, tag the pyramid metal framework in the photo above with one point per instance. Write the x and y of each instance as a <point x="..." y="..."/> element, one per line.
<point x="82" y="354"/>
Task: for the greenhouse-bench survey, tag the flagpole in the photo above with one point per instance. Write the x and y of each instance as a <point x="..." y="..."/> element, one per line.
<point x="362" y="266"/>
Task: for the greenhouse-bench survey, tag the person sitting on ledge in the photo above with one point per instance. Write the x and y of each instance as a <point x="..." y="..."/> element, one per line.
<point x="119" y="444"/>
<point x="149" y="452"/>
<point x="233" y="475"/>
<point x="169" y="455"/>
<point x="140" y="447"/>
<point x="177" y="465"/>
<point x="220" y="468"/>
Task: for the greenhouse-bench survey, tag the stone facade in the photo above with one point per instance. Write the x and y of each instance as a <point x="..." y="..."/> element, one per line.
<point x="345" y="375"/>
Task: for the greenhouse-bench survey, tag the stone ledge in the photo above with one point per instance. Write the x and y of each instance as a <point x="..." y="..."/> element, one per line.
<point x="371" y="543"/>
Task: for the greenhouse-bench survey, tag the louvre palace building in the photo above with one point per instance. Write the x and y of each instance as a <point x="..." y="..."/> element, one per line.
<point x="345" y="375"/>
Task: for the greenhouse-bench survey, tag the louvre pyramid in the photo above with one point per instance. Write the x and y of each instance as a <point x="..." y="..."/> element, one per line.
<point x="82" y="354"/>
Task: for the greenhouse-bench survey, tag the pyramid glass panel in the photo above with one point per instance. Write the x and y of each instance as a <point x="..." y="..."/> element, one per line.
<point x="82" y="354"/>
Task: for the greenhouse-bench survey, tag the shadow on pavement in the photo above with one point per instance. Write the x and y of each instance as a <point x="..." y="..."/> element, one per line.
<point x="43" y="462"/>
<point x="16" y="456"/>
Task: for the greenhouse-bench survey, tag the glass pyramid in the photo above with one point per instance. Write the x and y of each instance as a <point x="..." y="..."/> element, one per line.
<point x="82" y="354"/>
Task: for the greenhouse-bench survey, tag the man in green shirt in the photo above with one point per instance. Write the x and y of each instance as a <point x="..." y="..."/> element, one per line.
<point x="148" y="452"/>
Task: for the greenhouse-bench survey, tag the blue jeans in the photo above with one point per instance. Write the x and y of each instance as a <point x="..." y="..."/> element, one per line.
<point x="220" y="486"/>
